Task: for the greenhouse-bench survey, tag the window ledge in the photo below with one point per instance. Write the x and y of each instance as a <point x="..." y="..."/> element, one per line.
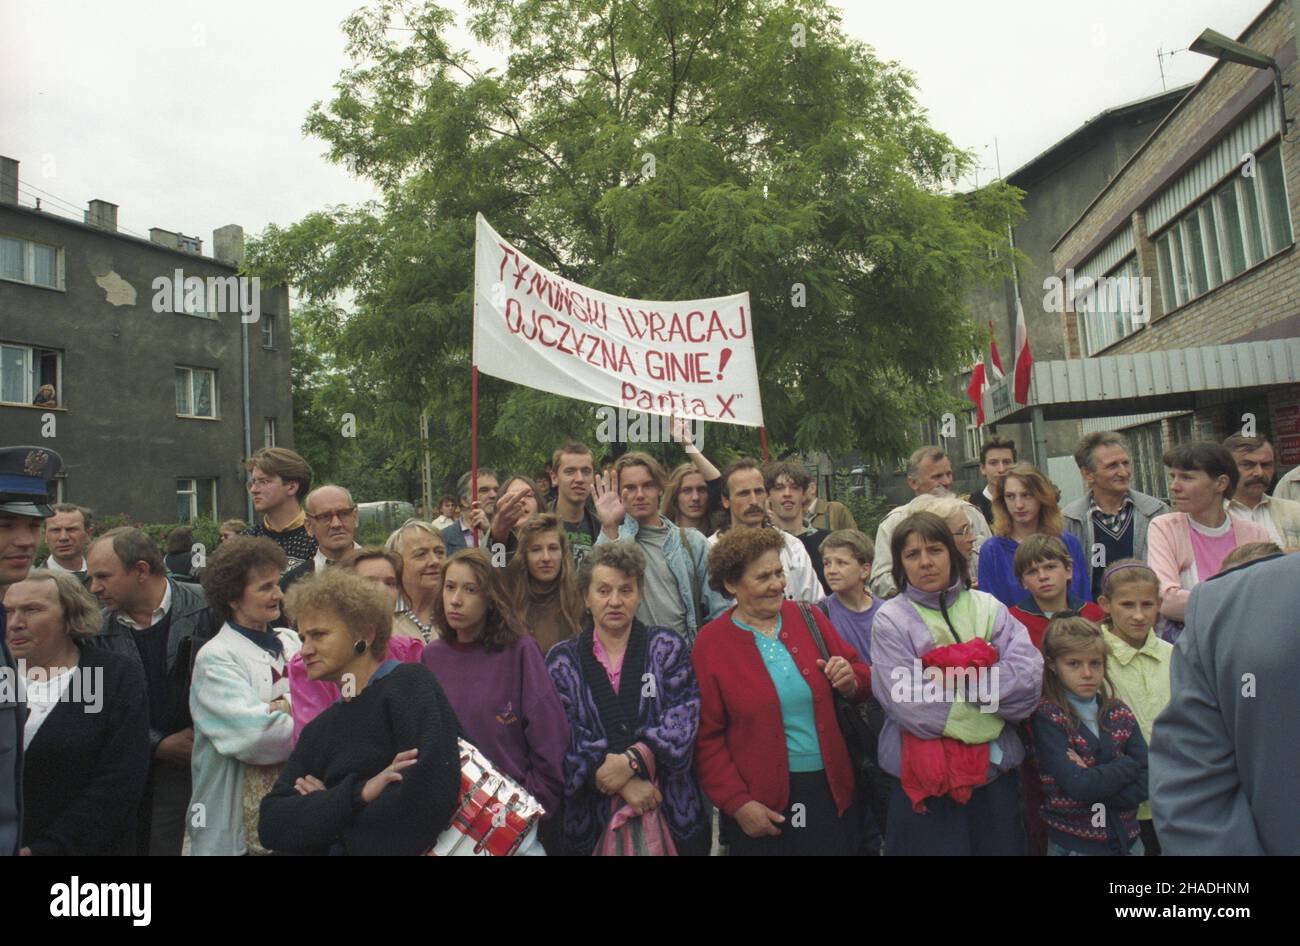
<point x="194" y="417"/>
<point x="32" y="407"/>
<point x="34" y="285"/>
<point x="1137" y="331"/>
<point x="1276" y="257"/>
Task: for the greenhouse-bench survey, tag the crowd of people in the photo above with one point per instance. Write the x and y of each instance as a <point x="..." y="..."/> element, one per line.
<point x="681" y="662"/>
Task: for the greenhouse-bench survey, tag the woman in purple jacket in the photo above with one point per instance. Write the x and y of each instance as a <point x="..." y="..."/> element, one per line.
<point x="934" y="609"/>
<point x="634" y="708"/>
<point x="496" y="681"/>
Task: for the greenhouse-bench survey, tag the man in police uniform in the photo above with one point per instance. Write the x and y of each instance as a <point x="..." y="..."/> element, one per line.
<point x="25" y="473"/>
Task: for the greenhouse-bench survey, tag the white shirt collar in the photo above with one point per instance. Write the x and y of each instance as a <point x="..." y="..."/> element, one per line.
<point x="320" y="558"/>
<point x="159" y="612"/>
<point x="53" y="565"/>
<point x="1263" y="502"/>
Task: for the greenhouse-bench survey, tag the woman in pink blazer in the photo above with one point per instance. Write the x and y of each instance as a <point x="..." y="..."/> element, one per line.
<point x="1188" y="545"/>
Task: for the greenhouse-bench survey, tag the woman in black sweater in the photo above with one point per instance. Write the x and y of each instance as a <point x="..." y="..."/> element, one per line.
<point x="87" y="735"/>
<point x="379" y="771"/>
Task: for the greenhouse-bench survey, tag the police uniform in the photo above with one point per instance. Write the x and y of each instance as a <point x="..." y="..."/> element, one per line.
<point x="25" y="473"/>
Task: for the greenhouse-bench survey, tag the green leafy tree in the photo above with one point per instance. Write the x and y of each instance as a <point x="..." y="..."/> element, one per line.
<point x="661" y="149"/>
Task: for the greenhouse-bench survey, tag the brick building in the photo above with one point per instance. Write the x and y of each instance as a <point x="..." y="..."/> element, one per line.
<point x="144" y="347"/>
<point x="1194" y="331"/>
<point x="1058" y="184"/>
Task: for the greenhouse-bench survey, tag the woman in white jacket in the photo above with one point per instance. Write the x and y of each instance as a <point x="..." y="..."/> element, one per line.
<point x="239" y="699"/>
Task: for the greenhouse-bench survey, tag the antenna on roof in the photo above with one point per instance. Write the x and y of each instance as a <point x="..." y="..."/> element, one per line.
<point x="1160" y="61"/>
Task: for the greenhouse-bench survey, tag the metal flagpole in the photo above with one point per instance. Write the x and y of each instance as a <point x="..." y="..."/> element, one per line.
<point x="473" y="445"/>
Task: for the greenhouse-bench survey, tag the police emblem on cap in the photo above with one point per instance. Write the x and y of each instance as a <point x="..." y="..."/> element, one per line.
<point x="36" y="462"/>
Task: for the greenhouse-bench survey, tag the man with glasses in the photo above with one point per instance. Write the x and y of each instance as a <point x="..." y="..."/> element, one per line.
<point x="278" y="480"/>
<point x="677" y="593"/>
<point x="331" y="519"/>
<point x="471" y="529"/>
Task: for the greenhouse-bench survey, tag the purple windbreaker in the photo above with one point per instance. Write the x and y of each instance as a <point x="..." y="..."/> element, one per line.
<point x="899" y="637"/>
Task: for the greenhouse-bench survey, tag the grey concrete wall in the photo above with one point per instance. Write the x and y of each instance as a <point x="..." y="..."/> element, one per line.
<point x="122" y="444"/>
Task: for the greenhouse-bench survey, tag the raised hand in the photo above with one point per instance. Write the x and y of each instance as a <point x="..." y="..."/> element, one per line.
<point x="609" y="507"/>
<point x="509" y="511"/>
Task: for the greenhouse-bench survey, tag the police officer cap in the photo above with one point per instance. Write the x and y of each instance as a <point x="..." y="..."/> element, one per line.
<point x="25" y="476"/>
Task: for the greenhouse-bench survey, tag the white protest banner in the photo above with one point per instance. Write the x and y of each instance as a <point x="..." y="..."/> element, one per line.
<point x="692" y="359"/>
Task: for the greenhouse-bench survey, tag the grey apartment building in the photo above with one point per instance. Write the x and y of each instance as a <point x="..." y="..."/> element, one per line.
<point x="130" y="357"/>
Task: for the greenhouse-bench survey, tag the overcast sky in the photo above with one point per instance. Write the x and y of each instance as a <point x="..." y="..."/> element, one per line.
<point x="188" y="114"/>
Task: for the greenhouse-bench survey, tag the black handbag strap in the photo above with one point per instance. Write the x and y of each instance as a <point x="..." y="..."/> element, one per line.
<point x="617" y="711"/>
<point x="814" y="630"/>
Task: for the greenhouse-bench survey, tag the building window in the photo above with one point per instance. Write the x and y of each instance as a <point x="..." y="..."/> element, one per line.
<point x="198" y="302"/>
<point x="24" y="373"/>
<point x="974" y="436"/>
<point x="1242" y="223"/>
<point x="196" y="499"/>
<point x="35" y="263"/>
<point x="268" y="432"/>
<point x="1148" y="460"/>
<point x="1113" y="309"/>
<point x="196" y="392"/>
<point x="268" y="331"/>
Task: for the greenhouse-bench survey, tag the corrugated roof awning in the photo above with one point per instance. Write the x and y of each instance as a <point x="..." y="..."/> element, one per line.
<point x="1143" y="382"/>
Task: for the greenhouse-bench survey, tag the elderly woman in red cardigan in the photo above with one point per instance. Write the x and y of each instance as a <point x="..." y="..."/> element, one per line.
<point x="769" y="752"/>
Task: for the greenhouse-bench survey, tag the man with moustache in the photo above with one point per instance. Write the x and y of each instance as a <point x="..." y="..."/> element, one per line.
<point x="24" y="497"/>
<point x="744" y="496"/>
<point x="162" y="623"/>
<point x="67" y="533"/>
<point x="928" y="471"/>
<point x="331" y="518"/>
<point x="677" y="593"/>
<point x="1255" y="464"/>
<point x="1111" y="520"/>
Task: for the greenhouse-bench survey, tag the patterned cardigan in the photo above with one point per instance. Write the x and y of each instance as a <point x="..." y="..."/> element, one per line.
<point x="667" y="718"/>
<point x="1116" y="773"/>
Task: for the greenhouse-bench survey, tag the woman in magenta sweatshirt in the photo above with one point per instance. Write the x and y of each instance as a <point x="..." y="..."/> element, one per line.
<point x="496" y="680"/>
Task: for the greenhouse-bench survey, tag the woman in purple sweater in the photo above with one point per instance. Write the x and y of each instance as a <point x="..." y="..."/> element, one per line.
<point x="634" y="709"/>
<point x="496" y="681"/>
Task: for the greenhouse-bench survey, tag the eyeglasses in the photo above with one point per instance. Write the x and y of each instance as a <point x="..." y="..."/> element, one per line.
<point x="961" y="533"/>
<point x="325" y="518"/>
<point x="261" y="481"/>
